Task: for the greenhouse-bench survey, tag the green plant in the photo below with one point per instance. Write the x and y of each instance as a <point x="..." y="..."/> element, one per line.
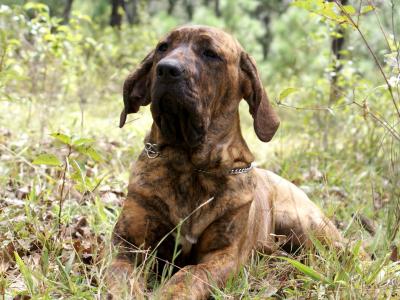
<point x="78" y="151"/>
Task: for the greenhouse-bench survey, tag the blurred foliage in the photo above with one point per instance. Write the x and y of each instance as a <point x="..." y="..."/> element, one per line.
<point x="65" y="75"/>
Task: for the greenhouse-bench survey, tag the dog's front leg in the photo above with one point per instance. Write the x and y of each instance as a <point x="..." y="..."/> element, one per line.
<point x="134" y="234"/>
<point x="221" y="250"/>
<point x="197" y="281"/>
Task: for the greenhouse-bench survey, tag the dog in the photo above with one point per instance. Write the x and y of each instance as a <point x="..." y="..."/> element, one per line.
<point x="194" y="183"/>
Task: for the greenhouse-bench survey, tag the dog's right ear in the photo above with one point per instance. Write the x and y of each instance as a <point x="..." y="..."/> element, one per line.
<point x="136" y="91"/>
<point x="266" y="121"/>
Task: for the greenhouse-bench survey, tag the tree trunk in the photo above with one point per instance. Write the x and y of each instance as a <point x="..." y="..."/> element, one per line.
<point x="171" y="6"/>
<point x="337" y="44"/>
<point x="67" y="11"/>
<point x="131" y="15"/>
<point x="265" y="12"/>
<point x="116" y="17"/>
<point x="189" y="9"/>
<point x="217" y="8"/>
<point x="135" y="11"/>
<point x="266" y="39"/>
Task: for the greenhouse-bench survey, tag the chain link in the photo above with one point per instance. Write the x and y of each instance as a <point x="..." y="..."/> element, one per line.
<point x="153" y="152"/>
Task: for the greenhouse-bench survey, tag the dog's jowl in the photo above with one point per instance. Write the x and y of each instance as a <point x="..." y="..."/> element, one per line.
<point x="194" y="179"/>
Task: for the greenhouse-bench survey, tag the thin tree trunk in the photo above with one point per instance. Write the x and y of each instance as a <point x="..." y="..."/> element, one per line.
<point x="266" y="39"/>
<point x="116" y="17"/>
<point x="217" y="8"/>
<point x="189" y="9"/>
<point x="336" y="48"/>
<point x="67" y="11"/>
<point x="171" y="6"/>
<point x="135" y="11"/>
<point x="127" y="12"/>
<point x="337" y="44"/>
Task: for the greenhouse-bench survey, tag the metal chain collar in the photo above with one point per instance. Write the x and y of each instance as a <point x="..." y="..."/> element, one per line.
<point x="153" y="152"/>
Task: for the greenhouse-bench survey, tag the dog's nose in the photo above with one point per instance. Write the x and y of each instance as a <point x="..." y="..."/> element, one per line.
<point x="168" y="69"/>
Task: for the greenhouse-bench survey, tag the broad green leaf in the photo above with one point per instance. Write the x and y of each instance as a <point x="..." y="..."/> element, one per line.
<point x="367" y="9"/>
<point x="286" y="92"/>
<point x="47" y="159"/>
<point x="93" y="154"/>
<point x="89" y="151"/>
<point x="78" y="176"/>
<point x="83" y="141"/>
<point x="63" y="28"/>
<point x="306" y="270"/>
<point x="349" y="9"/>
<point x="36" y="6"/>
<point x="65" y="139"/>
<point x="328" y="12"/>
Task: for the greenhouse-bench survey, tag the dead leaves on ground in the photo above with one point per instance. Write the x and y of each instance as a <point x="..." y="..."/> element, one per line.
<point x="29" y="208"/>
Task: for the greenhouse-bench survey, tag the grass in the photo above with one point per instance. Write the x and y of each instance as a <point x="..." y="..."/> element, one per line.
<point x="39" y="262"/>
<point x="71" y="84"/>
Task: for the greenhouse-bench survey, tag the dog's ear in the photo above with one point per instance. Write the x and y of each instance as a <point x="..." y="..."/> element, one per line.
<point x="136" y="91"/>
<point x="266" y="121"/>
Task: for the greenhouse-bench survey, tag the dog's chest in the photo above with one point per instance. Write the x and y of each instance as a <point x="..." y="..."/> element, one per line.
<point x="187" y="202"/>
<point x="194" y="203"/>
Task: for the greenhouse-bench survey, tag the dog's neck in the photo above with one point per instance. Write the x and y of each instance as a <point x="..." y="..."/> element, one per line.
<point x="223" y="147"/>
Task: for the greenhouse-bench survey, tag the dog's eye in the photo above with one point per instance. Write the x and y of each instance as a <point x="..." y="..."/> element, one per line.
<point x="162" y="47"/>
<point x="210" y="54"/>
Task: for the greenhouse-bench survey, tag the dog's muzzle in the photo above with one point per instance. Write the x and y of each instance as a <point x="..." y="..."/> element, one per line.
<point x="169" y="70"/>
<point x="175" y="107"/>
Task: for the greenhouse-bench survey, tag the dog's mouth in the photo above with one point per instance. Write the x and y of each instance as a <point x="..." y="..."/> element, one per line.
<point x="178" y="120"/>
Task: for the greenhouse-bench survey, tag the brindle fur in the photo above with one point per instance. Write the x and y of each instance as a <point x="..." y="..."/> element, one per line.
<point x="196" y="125"/>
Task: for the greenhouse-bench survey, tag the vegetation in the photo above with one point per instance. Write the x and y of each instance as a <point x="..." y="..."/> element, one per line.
<point x="332" y="68"/>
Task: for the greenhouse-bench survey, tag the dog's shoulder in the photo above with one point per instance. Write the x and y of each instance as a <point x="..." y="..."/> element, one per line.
<point x="277" y="187"/>
<point x="270" y="180"/>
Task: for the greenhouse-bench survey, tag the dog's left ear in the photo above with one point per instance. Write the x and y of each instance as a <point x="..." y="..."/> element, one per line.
<point x="136" y="91"/>
<point x="266" y="121"/>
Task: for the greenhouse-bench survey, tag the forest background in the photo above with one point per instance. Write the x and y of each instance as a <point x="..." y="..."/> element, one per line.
<point x="331" y="69"/>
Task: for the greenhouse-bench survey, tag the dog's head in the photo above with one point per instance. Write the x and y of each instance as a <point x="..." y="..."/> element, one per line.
<point x="196" y="74"/>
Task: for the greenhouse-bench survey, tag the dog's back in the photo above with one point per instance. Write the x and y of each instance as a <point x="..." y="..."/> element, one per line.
<point x="287" y="214"/>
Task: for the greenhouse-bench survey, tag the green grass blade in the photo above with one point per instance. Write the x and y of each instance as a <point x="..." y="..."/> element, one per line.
<point x="26" y="273"/>
<point x="306" y="270"/>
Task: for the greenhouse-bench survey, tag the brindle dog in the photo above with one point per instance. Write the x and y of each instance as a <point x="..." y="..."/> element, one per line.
<point x="195" y="172"/>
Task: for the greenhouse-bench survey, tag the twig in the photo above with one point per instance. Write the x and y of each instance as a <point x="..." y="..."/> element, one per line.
<point x="359" y="13"/>
<point x="61" y="200"/>
<point x="379" y="22"/>
<point x="387" y="126"/>
<point x="396" y="45"/>
<point x="372" y="53"/>
<point x="130" y="121"/>
<point x="279" y="103"/>
<point x="374" y="116"/>
<point x="183" y="221"/>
